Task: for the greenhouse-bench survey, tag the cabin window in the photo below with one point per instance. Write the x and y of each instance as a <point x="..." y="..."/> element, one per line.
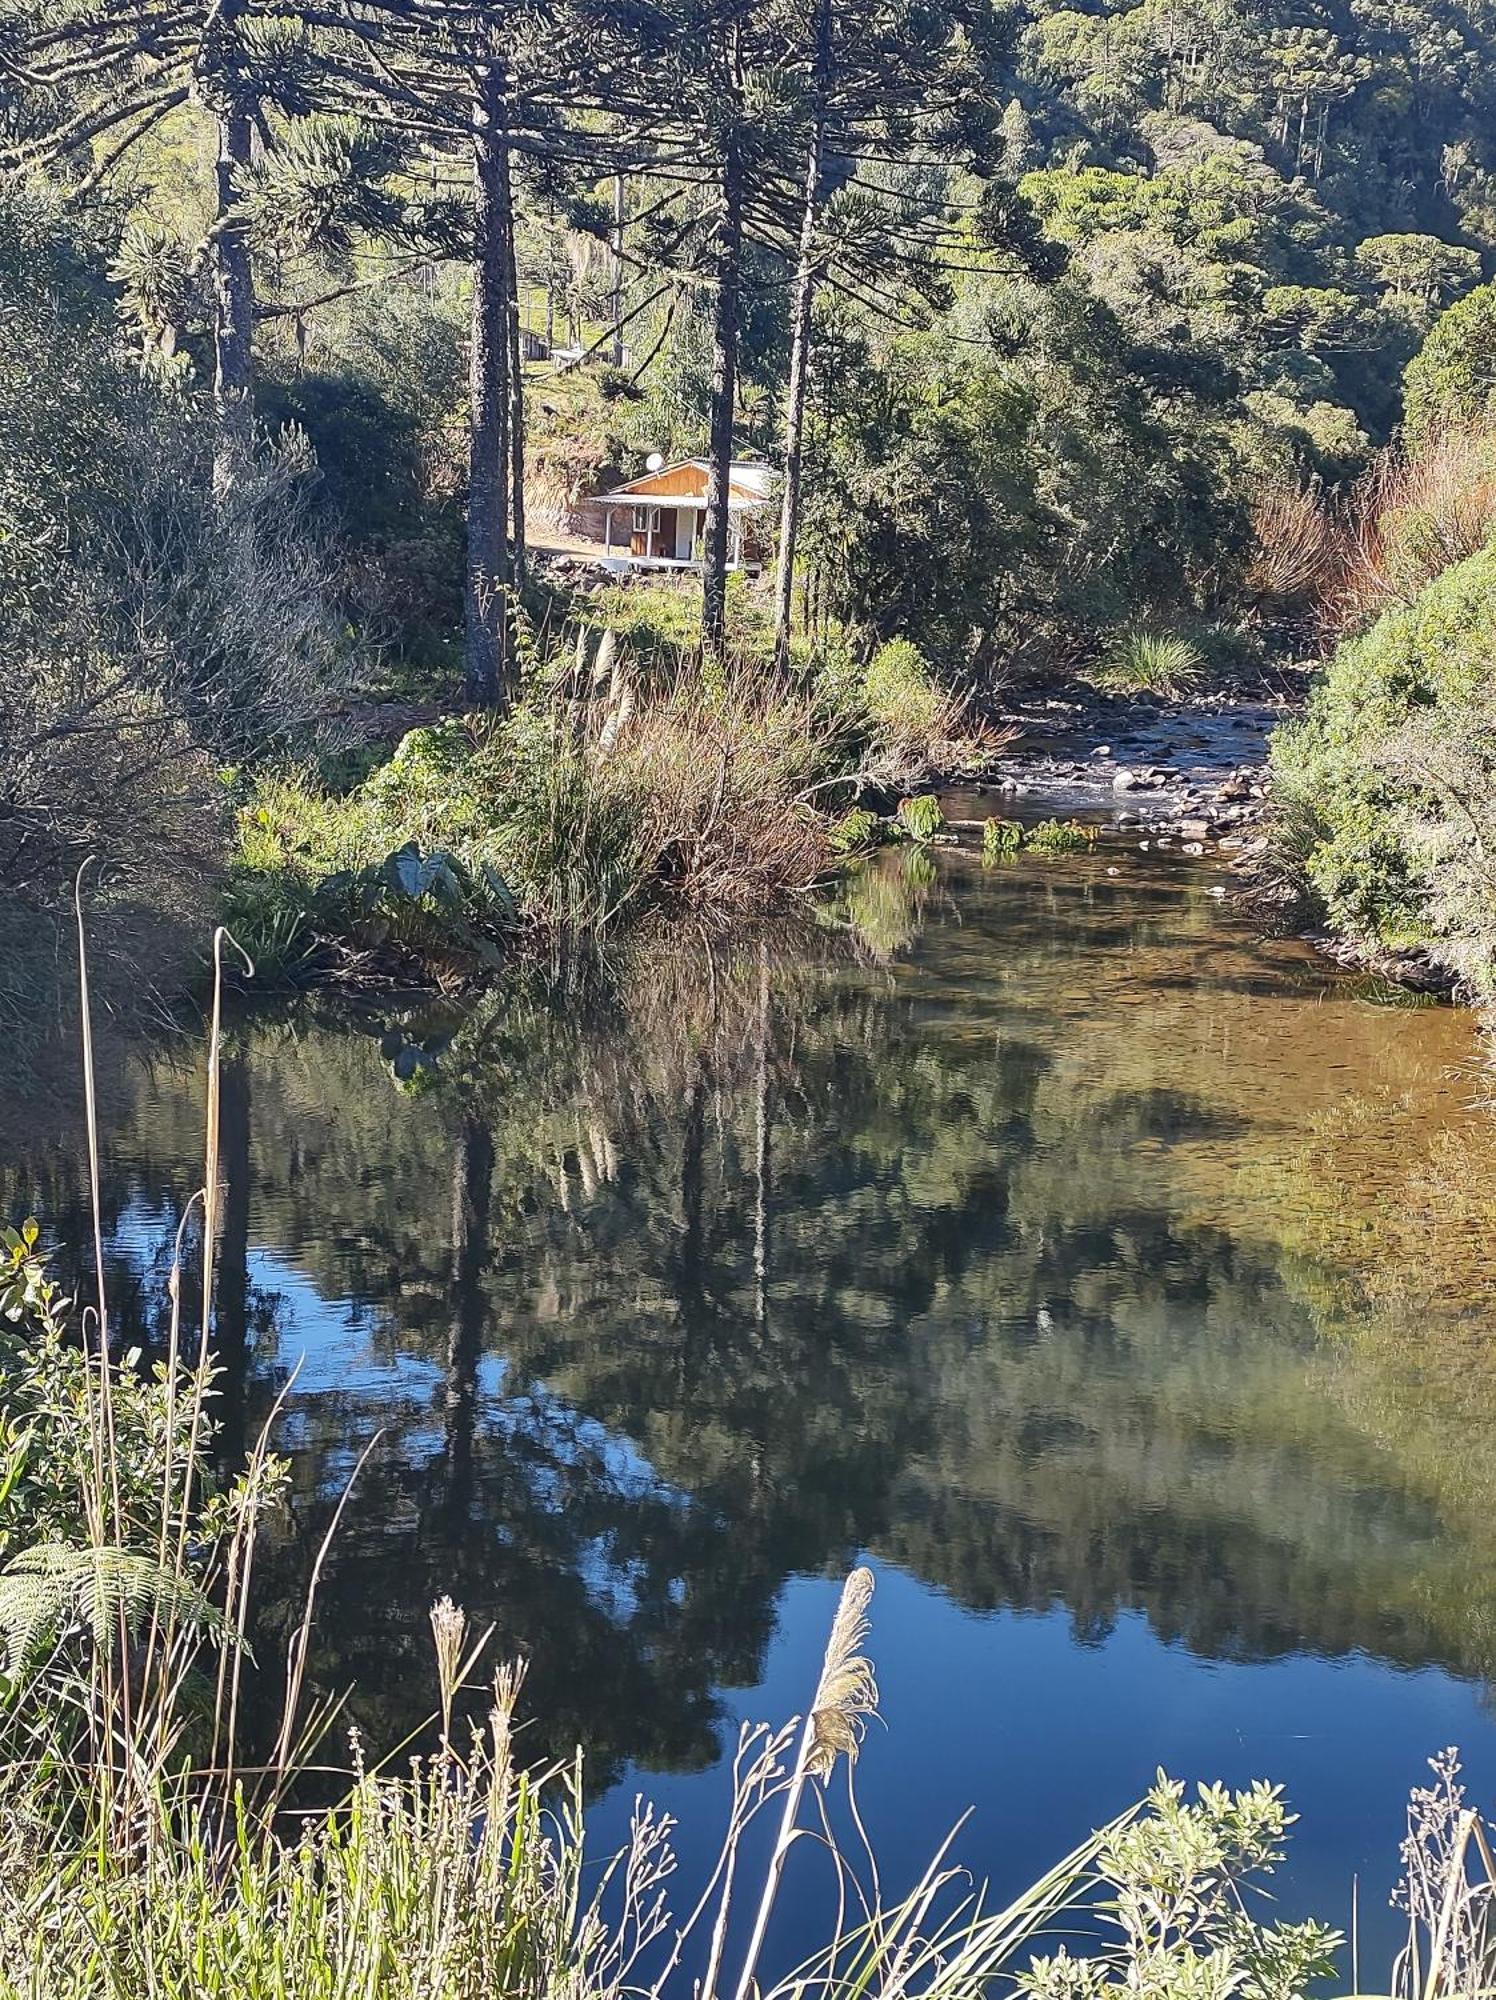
<point x="645" y="519"/>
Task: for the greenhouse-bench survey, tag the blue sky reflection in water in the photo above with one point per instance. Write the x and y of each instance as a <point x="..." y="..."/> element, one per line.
<point x="1108" y="1276"/>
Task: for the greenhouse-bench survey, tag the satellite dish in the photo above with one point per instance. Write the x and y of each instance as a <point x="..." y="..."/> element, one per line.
<point x="655" y="462"/>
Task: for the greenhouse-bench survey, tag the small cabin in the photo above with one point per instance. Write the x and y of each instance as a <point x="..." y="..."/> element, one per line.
<point x="657" y="520"/>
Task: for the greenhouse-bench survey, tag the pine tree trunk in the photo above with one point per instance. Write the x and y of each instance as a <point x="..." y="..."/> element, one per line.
<point x="805" y="293"/>
<point x="617" y="252"/>
<point x="233" y="303"/>
<point x="487" y="593"/>
<point x="516" y="381"/>
<point x="727" y="286"/>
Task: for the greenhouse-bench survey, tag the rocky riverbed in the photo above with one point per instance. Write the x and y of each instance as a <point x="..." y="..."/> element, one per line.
<point x="1191" y="770"/>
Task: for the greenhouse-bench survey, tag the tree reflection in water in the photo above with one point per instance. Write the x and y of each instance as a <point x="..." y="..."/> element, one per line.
<point x="982" y="1236"/>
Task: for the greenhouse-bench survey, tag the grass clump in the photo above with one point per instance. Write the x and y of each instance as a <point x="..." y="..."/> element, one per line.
<point x="1143" y="661"/>
<point x="601" y="796"/>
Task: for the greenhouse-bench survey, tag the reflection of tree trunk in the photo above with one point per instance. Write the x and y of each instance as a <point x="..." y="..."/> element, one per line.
<point x="692" y="1157"/>
<point x="761" y="1155"/>
<point x="231" y="1319"/>
<point x="472" y="1189"/>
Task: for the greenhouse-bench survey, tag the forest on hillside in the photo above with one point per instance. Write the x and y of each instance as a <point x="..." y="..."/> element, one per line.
<point x="1080" y="343"/>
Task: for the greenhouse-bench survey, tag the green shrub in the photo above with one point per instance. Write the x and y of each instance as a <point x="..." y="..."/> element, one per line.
<point x="1141" y="661"/>
<point x="1452" y="377"/>
<point x="1001" y="837"/>
<point x="1389" y="779"/>
<point x="855" y="830"/>
<point x="46" y="1441"/>
<point x="406" y="867"/>
<point x="903" y="696"/>
<point x="920" y="818"/>
<point x="1059" y="836"/>
<point x="1175" y="1884"/>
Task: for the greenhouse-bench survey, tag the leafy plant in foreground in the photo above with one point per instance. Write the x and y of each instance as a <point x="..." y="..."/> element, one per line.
<point x="1001" y="838"/>
<point x="1174" y="1882"/>
<point x="920" y="819"/>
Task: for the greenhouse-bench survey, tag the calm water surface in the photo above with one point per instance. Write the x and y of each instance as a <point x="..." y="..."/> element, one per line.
<point x="1116" y="1284"/>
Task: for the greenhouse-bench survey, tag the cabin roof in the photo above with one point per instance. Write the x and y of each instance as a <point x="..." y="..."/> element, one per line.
<point x="683" y="484"/>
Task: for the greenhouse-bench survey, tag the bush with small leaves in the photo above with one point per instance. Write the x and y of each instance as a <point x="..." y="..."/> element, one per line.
<point x="1385" y="789"/>
<point x="1175" y="1882"/>
<point x="904" y="698"/>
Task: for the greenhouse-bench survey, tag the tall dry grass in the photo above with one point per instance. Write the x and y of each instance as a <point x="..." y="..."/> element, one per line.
<point x="1295" y="556"/>
<point x="686" y="788"/>
<point x="1344" y="560"/>
<point x="1409" y="518"/>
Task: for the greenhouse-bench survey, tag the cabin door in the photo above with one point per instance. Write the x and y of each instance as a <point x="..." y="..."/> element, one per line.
<point x="653" y="531"/>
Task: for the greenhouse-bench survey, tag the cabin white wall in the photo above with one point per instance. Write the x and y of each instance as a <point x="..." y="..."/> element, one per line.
<point x="685" y="524"/>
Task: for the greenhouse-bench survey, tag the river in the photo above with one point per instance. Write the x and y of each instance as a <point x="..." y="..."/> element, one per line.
<point x="1115" y="1283"/>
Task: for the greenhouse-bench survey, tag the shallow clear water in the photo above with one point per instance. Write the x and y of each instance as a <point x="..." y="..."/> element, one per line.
<point x="1117" y="1284"/>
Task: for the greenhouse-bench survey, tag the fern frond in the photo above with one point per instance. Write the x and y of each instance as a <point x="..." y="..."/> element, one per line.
<point x="52" y="1590"/>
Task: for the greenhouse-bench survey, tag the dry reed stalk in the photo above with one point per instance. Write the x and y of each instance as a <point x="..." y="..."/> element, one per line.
<point x="845" y="1696"/>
